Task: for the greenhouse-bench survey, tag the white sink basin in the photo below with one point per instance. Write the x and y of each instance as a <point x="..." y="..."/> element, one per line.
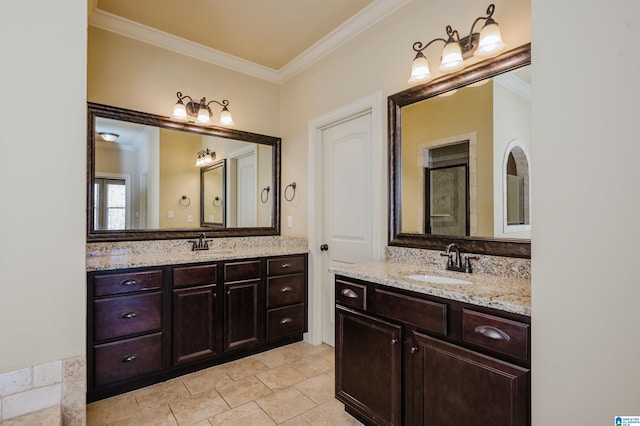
<point x="437" y="279"/>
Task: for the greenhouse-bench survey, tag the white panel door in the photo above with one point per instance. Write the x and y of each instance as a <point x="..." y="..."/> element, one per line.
<point x="246" y="178"/>
<point x="347" y="204"/>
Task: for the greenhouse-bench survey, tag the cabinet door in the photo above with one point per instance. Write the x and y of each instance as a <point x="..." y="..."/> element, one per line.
<point x="194" y="328"/>
<point x="242" y="315"/>
<point x="368" y="366"/>
<point x="462" y="387"/>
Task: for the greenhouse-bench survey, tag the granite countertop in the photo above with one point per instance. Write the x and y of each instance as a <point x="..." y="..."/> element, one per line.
<point x="123" y="260"/>
<point x="492" y="291"/>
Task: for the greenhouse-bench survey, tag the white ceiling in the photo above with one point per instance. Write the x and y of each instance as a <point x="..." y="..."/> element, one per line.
<point x="268" y="39"/>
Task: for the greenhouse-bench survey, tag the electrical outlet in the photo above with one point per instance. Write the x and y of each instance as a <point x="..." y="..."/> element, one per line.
<point x="190" y="218"/>
<point x="170" y="214"/>
<point x="289" y="221"/>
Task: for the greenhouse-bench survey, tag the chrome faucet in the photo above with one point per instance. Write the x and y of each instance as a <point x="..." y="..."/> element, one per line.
<point x="200" y="244"/>
<point x="457" y="265"/>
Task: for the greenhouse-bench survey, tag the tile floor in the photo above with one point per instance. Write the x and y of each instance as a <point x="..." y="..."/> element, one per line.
<point x="292" y="385"/>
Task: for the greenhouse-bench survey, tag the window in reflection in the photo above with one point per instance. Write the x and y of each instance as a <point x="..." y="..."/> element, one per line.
<point x="110" y="203"/>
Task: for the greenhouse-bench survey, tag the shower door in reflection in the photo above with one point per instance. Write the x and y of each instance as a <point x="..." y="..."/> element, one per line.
<point x="447" y="200"/>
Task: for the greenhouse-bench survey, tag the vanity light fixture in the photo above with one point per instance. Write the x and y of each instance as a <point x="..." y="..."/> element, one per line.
<point x="109" y="137"/>
<point x="456" y="50"/>
<point x="205" y="158"/>
<point x="200" y="110"/>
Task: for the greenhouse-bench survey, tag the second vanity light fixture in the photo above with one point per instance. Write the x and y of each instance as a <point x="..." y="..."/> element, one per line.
<point x="200" y="110"/>
<point x="205" y="158"/>
<point x="487" y="43"/>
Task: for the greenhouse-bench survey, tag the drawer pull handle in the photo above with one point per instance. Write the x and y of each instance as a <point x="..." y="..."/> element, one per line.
<point x="347" y="292"/>
<point x="285" y="321"/>
<point x="285" y="265"/>
<point x="129" y="282"/>
<point x="285" y="289"/>
<point x="128" y="315"/>
<point x="130" y="358"/>
<point x="492" y="332"/>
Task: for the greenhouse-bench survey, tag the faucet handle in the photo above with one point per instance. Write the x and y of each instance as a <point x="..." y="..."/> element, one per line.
<point x="467" y="263"/>
<point x="450" y="258"/>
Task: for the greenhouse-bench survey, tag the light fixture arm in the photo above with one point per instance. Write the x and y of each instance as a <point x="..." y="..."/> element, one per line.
<point x="181" y="98"/>
<point x="418" y="47"/>
<point x="224" y="103"/>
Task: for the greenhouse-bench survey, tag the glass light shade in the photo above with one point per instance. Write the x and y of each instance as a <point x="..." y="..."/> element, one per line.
<point x="109" y="137"/>
<point x="419" y="69"/>
<point x="199" y="162"/>
<point x="490" y="40"/>
<point x="203" y="116"/>
<point x="451" y="57"/>
<point x="179" y="111"/>
<point x="225" y="117"/>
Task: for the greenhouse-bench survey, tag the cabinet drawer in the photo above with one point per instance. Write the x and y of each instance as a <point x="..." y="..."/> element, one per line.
<point x="128" y="358"/>
<point x="121" y="316"/>
<point x="285" y="290"/>
<point x="351" y="294"/>
<point x="285" y="265"/>
<point x="195" y="275"/>
<point x="497" y="334"/>
<point x="285" y="321"/>
<point x="424" y="314"/>
<point x="242" y="270"/>
<point x="125" y="283"/>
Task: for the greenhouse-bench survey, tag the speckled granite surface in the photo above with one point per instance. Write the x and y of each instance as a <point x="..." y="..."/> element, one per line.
<point x="494" y="265"/>
<point x="492" y="291"/>
<point x="134" y="254"/>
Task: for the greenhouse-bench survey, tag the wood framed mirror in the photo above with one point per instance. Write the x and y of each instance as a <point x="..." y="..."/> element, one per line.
<point x="416" y="118"/>
<point x="144" y="185"/>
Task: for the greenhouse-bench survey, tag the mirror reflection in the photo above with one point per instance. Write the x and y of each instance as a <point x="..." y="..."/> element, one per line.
<point x="465" y="169"/>
<point x="151" y="177"/>
<point x="212" y="194"/>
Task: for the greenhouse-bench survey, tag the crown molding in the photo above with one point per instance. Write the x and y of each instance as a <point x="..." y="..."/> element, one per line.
<point x="515" y="84"/>
<point x="349" y="29"/>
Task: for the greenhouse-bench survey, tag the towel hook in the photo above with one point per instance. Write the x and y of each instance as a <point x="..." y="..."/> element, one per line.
<point x="292" y="185"/>
<point x="217" y="200"/>
<point x="184" y="201"/>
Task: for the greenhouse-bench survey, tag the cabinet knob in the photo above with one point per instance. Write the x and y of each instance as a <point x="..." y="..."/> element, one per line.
<point x="414" y="349"/>
<point x="128" y="315"/>
<point x="130" y="358"/>
<point x="394" y="341"/>
<point x="129" y="282"/>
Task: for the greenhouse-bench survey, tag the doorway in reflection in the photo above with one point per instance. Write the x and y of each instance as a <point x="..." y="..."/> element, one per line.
<point x="447" y="190"/>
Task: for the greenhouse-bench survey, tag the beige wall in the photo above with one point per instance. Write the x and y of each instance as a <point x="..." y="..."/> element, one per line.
<point x="42" y="178"/>
<point x="178" y="177"/>
<point x="131" y="74"/>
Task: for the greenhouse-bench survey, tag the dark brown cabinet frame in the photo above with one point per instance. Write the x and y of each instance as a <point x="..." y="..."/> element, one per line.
<point x="384" y="333"/>
<point x="175" y="360"/>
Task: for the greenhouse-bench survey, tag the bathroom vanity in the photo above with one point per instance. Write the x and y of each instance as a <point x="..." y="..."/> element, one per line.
<point x="423" y="353"/>
<point x="188" y="311"/>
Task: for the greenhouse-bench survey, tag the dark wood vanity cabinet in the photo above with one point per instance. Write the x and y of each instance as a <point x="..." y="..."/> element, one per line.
<point x="368" y="366"/>
<point x="441" y="361"/>
<point x="125" y="334"/>
<point x="194" y="319"/>
<point x="243" y="308"/>
<point x="146" y="325"/>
